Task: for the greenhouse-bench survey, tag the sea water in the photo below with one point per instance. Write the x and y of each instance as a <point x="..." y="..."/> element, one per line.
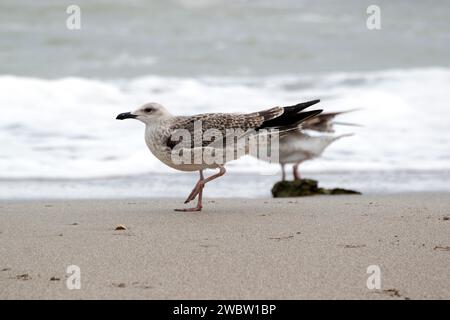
<point x="61" y="89"/>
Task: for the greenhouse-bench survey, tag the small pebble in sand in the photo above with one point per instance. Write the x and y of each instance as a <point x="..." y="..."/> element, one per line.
<point x="119" y="285"/>
<point x="353" y="246"/>
<point x="443" y="248"/>
<point x="120" y="227"/>
<point x="395" y="294"/>
<point x="24" y="277"/>
<point x="282" y="238"/>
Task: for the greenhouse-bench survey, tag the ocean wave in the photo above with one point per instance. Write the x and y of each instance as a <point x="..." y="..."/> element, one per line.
<point x="65" y="128"/>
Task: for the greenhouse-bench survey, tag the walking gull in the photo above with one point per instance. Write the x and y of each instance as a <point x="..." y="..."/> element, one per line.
<point x="164" y="131"/>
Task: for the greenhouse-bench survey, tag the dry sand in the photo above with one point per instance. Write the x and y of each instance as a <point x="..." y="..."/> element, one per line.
<point x="317" y="247"/>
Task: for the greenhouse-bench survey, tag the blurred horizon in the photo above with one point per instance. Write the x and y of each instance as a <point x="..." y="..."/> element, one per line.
<point x="190" y="38"/>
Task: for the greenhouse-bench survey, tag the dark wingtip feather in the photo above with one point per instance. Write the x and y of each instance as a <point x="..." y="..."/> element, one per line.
<point x="309" y="114"/>
<point x="287" y="120"/>
<point x="301" y="106"/>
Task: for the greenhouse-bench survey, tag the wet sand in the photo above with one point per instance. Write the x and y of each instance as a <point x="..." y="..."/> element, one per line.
<point x="317" y="247"/>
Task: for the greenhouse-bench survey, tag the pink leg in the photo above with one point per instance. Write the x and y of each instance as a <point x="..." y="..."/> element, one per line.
<point x="198" y="190"/>
<point x="199" y="204"/>
<point x="283" y="173"/>
<point x="205" y="181"/>
<point x="296" y="173"/>
<point x="198" y="186"/>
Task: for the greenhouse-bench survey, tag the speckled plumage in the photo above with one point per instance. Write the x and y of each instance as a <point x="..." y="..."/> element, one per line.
<point x="221" y="122"/>
<point x="164" y="134"/>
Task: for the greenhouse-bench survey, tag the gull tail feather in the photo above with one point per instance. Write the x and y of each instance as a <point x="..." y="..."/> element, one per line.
<point x="349" y="124"/>
<point x="341" y="112"/>
<point x="343" y="135"/>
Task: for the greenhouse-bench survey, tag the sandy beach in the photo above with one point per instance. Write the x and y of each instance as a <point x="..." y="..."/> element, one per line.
<point x="318" y="247"/>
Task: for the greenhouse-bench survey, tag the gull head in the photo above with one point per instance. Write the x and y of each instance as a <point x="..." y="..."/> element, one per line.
<point x="148" y="113"/>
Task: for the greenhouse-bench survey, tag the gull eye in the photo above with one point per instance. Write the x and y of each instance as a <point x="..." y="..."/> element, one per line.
<point x="148" y="110"/>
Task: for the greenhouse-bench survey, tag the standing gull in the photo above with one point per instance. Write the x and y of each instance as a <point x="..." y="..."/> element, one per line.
<point x="297" y="145"/>
<point x="161" y="127"/>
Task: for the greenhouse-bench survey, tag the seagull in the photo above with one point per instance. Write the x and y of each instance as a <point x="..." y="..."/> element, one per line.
<point x="163" y="131"/>
<point x="297" y="146"/>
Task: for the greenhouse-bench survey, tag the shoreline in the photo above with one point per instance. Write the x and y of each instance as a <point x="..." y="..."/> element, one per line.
<point x="294" y="248"/>
<point x="233" y="184"/>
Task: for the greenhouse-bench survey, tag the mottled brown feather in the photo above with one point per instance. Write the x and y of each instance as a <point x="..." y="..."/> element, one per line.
<point x="221" y="122"/>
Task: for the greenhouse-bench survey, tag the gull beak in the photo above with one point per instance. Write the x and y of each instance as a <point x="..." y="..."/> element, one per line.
<point x="126" y="115"/>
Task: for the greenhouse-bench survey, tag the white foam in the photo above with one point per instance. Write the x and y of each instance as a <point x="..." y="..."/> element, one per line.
<point x="66" y="128"/>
